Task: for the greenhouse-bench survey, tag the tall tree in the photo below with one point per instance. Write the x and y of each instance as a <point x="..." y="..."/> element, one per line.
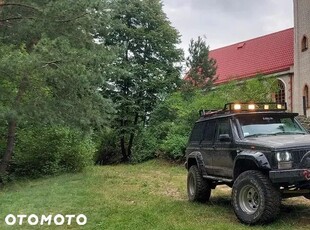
<point x="202" y="68"/>
<point x="50" y="66"/>
<point x="146" y="63"/>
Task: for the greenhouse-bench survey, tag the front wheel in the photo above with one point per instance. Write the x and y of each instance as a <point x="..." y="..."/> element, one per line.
<point x="254" y="198"/>
<point x="198" y="188"/>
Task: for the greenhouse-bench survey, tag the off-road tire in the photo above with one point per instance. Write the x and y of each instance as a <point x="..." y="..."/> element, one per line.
<point x="198" y="188"/>
<point x="254" y="198"/>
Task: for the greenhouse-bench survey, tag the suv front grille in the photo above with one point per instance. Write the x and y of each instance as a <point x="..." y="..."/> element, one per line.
<point x="298" y="157"/>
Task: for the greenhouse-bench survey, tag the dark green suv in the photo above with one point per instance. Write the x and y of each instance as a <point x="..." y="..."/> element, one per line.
<point x="259" y="150"/>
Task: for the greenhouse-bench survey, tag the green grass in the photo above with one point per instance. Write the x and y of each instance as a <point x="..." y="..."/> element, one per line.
<point x="151" y="195"/>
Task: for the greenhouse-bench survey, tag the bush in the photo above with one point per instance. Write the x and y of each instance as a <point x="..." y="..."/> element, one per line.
<point x="146" y="146"/>
<point x="173" y="146"/>
<point x="51" y="150"/>
<point x="108" y="148"/>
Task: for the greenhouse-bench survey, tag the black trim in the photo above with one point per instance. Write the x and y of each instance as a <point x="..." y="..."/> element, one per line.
<point x="287" y="176"/>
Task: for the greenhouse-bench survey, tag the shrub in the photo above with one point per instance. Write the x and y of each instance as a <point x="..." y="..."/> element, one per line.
<point x="51" y="150"/>
<point x="173" y="146"/>
<point x="146" y="146"/>
<point x="108" y="148"/>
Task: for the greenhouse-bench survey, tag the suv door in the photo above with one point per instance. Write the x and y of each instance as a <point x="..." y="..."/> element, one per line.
<point x="224" y="151"/>
<point x="206" y="145"/>
<point x="195" y="138"/>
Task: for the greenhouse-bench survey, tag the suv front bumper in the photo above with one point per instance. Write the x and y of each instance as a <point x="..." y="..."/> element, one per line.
<point x="291" y="176"/>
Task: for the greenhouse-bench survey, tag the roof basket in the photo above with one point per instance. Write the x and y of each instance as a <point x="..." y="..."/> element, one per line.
<point x="245" y="107"/>
<point x="206" y="112"/>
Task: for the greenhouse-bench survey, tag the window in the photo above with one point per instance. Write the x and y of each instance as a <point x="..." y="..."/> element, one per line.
<point x="209" y="131"/>
<point x="223" y="127"/>
<point x="197" y="132"/>
<point x="304" y="43"/>
<point x="273" y="124"/>
<point x="306" y="95"/>
<point x="280" y="95"/>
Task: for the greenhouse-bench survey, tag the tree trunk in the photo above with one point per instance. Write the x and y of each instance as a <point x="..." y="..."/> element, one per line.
<point x="9" y="147"/>
<point x="123" y="148"/>
<point x="12" y="124"/>
<point x="131" y="138"/>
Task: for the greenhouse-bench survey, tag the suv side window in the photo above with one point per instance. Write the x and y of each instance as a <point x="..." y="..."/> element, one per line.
<point x="209" y="131"/>
<point x="223" y="128"/>
<point x="197" y="132"/>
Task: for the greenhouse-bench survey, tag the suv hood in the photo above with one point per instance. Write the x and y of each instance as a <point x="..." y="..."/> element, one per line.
<point x="278" y="141"/>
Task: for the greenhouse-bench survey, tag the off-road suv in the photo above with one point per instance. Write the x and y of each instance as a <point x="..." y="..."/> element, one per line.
<point x="259" y="150"/>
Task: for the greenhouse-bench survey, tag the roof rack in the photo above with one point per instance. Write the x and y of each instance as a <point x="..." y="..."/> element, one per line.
<point x="209" y="112"/>
<point x="245" y="107"/>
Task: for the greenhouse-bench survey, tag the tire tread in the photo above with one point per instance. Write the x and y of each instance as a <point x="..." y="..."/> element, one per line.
<point x="203" y="190"/>
<point x="272" y="196"/>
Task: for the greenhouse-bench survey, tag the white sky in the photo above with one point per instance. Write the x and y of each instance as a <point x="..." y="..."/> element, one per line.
<point x="225" y="22"/>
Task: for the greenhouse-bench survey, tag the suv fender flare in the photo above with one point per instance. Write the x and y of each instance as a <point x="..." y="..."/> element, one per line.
<point x="258" y="158"/>
<point x="197" y="156"/>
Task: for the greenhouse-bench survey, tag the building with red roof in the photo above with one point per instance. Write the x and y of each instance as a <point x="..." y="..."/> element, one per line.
<point x="269" y="54"/>
<point x="272" y="54"/>
<point x="284" y="55"/>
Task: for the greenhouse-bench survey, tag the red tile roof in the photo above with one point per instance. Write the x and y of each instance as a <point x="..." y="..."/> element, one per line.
<point x="268" y="54"/>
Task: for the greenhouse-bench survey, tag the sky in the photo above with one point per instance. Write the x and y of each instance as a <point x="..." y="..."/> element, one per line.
<point x="226" y="22"/>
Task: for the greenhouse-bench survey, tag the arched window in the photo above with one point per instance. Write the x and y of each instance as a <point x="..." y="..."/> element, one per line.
<point x="306" y="95"/>
<point x="304" y="43"/>
<point x="280" y="95"/>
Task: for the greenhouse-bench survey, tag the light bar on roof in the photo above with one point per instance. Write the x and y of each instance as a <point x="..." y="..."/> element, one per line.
<point x="268" y="106"/>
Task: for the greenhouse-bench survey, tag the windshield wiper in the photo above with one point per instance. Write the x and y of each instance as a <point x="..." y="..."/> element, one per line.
<point x="257" y="134"/>
<point x="303" y="133"/>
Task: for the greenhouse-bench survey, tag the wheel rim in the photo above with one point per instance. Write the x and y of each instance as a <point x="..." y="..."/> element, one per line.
<point x="191" y="185"/>
<point x="249" y="199"/>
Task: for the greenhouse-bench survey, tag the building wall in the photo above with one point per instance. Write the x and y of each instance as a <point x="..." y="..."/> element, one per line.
<point x="301" y="59"/>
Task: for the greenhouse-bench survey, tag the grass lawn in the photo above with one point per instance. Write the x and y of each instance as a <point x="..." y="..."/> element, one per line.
<point x="146" y="196"/>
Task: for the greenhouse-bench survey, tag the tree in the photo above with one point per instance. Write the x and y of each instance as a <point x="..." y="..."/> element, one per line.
<point x="51" y="69"/>
<point x="146" y="66"/>
<point x="202" y="69"/>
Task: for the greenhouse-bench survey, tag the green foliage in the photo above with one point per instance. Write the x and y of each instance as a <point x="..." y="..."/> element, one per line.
<point x="202" y="69"/>
<point x="146" y="66"/>
<point x="51" y="150"/>
<point x="146" y="146"/>
<point x="108" y="149"/>
<point x="52" y="70"/>
<point x="173" y="146"/>
<point x="172" y="120"/>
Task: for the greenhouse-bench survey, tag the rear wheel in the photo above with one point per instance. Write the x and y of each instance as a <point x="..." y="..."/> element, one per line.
<point x="254" y="198"/>
<point x="198" y="188"/>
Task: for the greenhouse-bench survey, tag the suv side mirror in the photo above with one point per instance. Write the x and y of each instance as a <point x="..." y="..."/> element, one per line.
<point x="224" y="138"/>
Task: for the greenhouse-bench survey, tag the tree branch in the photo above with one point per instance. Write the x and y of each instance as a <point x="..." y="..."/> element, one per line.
<point x="19" y="5"/>
<point x="71" y="19"/>
<point x="51" y="63"/>
<point x="15" y="18"/>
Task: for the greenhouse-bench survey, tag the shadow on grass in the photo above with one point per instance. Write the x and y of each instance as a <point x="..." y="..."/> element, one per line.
<point x="299" y="213"/>
<point x="295" y="212"/>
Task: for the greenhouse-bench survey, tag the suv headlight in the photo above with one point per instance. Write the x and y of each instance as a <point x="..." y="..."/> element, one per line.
<point x="284" y="160"/>
<point x="283" y="156"/>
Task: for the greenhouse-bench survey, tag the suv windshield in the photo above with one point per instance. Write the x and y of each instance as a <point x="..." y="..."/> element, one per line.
<point x="268" y="124"/>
